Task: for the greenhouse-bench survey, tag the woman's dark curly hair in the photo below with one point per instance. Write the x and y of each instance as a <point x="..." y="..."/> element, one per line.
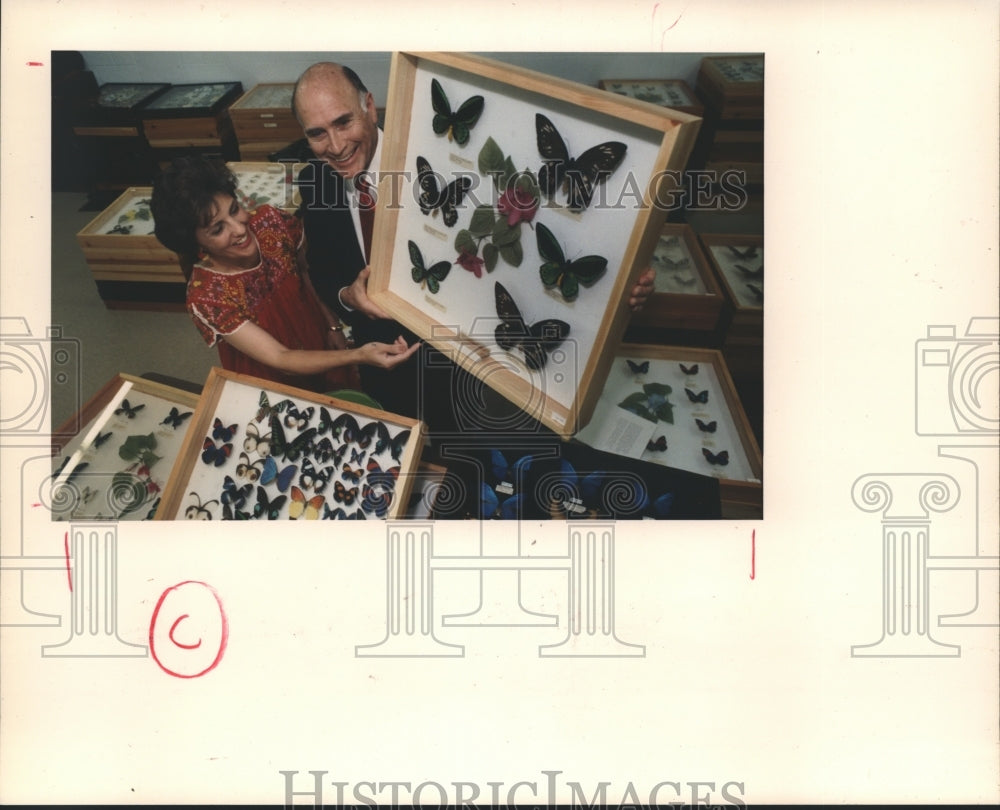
<point x="184" y="199"/>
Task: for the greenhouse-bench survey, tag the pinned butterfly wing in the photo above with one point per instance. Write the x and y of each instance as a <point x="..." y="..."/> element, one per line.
<point x="746" y="253"/>
<point x="689" y="369"/>
<point x="294" y="418"/>
<point x="223" y="432"/>
<point x="255" y="442"/>
<point x="302" y="507"/>
<point x="579" y="176"/>
<point x="101" y="438"/>
<point x="175" y="418"/>
<point x="701" y="396"/>
<point x="268" y="508"/>
<point x="249" y="471"/>
<point x="129" y="410"/>
<point x="434" y="195"/>
<point x="658" y="446"/>
<point x="721" y="458"/>
<point x="458" y="123"/>
<point x="216" y="456"/>
<point x="431" y="276"/>
<point x="290" y="450"/>
<point x="706" y="427"/>
<point x="535" y="341"/>
<point x="281" y="478"/>
<point x="567" y="276"/>
<point x="758" y="293"/>
<point x="638" y="368"/>
<point x="231" y="494"/>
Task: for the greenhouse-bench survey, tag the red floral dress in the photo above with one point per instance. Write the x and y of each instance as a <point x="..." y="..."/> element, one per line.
<point x="270" y="295"/>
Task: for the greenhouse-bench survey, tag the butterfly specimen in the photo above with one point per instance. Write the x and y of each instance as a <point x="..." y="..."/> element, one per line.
<point x="706" y="428"/>
<point x="689" y="369"/>
<point x="302" y="507"/>
<point x="352" y="475"/>
<point x="455" y="124"/>
<point x="638" y="368"/>
<point x="377" y="476"/>
<point x="270" y="509"/>
<point x="758" y="273"/>
<point x="128" y="409"/>
<point x="88" y="494"/>
<point x="282" y="478"/>
<point x="578" y="176"/>
<point x="175" y="417"/>
<point x="536" y="340"/>
<point x="198" y="511"/>
<point x="231" y="513"/>
<point x="290" y="450"/>
<point x="746" y="253"/>
<point x="567" y="276"/>
<point x="213" y="455"/>
<point x="231" y="494"/>
<point x="434" y="196"/>
<point x="699" y="397"/>
<point x="339" y="514"/>
<point x="659" y="446"/>
<point x="684" y="282"/>
<point x="344" y="495"/>
<point x="675" y="264"/>
<point x="296" y="418"/>
<point x="395" y="444"/>
<point x="758" y="293"/>
<point x="267" y="410"/>
<point x="721" y="458"/>
<point x="255" y="443"/>
<point x="311" y="478"/>
<point x="324" y="451"/>
<point x="651" y="403"/>
<point x="431" y="276"/>
<point x="102" y="438"/>
<point x="376" y="499"/>
<point x="220" y="431"/>
<point x="358" y="455"/>
<point x="251" y="472"/>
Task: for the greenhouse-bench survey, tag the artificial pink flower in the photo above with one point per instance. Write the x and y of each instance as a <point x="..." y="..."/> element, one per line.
<point x="471" y="262"/>
<point x="517" y="205"/>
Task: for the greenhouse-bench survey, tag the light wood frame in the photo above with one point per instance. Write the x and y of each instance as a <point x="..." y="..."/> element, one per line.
<point x="561" y="396"/>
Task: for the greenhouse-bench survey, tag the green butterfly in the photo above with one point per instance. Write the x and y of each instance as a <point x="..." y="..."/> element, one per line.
<point x="433" y="275"/>
<point x="568" y="276"/>
<point x="457" y="123"/>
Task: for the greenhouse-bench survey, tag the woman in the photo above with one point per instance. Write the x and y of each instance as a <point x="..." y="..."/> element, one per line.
<point x="247" y="290"/>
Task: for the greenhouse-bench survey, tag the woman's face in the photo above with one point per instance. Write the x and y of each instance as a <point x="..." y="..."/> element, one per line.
<point x="226" y="238"/>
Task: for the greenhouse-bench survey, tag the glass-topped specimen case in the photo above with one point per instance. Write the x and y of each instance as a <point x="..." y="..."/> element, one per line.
<point x="678" y="406"/>
<point x="673" y="93"/>
<point x="193" y="100"/>
<point x="263" y="120"/>
<point x="262" y="451"/>
<point x="738" y="262"/>
<point x="270" y="183"/>
<point x="192" y="116"/>
<point x="685" y="292"/>
<point x="733" y="86"/>
<point x="118" y="105"/>
<point x="117" y="465"/>
<point x="515" y="212"/>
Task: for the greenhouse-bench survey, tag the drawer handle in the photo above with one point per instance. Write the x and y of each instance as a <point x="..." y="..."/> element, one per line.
<point x="270" y="126"/>
<point x="267" y="115"/>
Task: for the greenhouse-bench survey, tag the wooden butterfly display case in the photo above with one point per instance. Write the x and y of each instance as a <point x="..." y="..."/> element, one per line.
<point x="271" y="183"/>
<point x="732" y="86"/>
<point x="116" y="111"/>
<point x="260" y="450"/>
<point x="673" y="93"/>
<point x="678" y="406"/>
<point x="686" y="294"/>
<point x="263" y="120"/>
<point x="117" y="465"/>
<point x="192" y="115"/>
<point x="495" y="245"/>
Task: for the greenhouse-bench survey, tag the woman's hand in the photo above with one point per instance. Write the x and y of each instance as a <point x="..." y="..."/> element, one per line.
<point x="386" y="355"/>
<point x="356" y="297"/>
<point x="642" y="290"/>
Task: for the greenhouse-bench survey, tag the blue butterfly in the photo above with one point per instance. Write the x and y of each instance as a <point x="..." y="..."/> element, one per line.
<point x="216" y="456"/>
<point x="272" y="473"/>
<point x="508" y="473"/>
<point x="492" y="507"/>
<point x="220" y="431"/>
<point x="357" y="456"/>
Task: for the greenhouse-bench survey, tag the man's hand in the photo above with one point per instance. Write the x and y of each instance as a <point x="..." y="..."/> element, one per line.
<point x="356" y="297"/>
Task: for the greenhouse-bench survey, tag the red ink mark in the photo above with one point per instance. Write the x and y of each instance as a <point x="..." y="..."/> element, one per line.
<point x="205" y="612"/>
<point x="69" y="568"/>
<point x="753" y="554"/>
<point x="35" y="64"/>
<point x="171" y="635"/>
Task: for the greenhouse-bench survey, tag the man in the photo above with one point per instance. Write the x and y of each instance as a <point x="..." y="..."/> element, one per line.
<point x="337" y="114"/>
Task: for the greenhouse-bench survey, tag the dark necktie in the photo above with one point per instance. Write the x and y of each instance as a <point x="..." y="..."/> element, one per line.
<point x="366" y="208"/>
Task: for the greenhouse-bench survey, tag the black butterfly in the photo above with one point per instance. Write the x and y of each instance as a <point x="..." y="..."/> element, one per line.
<point x="324" y="451"/>
<point x="758" y="293"/>
<point x="747" y="253"/>
<point x="296" y="418"/>
<point x="270" y="508"/>
<point x="340" y="514"/>
<point x="216" y="456"/>
<point x="344" y="495"/>
<point x="431" y="276"/>
<point x="267" y="410"/>
<point x="434" y="195"/>
<point x="229" y="513"/>
<point x="689" y="369"/>
<point x="221" y="431"/>
<point x="579" y="176"/>
<point x="638" y="368"/>
<point x="456" y="124"/>
<point x="395" y="444"/>
<point x="175" y="417"/>
<point x="101" y="438"/>
<point x="232" y="494"/>
<point x="659" y="446"/>
<point x="311" y="478"/>
<point x="128" y="410"/>
<point x="700" y="397"/>
<point x="536" y="340"/>
<point x="290" y="450"/>
<point x="79" y="468"/>
<point x="568" y="276"/>
<point x="721" y="458"/>
<point x="675" y="264"/>
<point x="706" y="428"/>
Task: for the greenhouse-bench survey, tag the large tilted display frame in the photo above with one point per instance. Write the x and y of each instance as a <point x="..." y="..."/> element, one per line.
<point x="622" y="224"/>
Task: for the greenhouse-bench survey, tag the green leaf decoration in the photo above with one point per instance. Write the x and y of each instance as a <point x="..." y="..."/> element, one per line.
<point x="491" y="158"/>
<point x="490" y="255"/>
<point x="139" y="448"/>
<point x="465" y="243"/>
<point x="513" y="253"/>
<point x="651" y="403"/>
<point x="482" y="221"/>
<point x="503" y="234"/>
